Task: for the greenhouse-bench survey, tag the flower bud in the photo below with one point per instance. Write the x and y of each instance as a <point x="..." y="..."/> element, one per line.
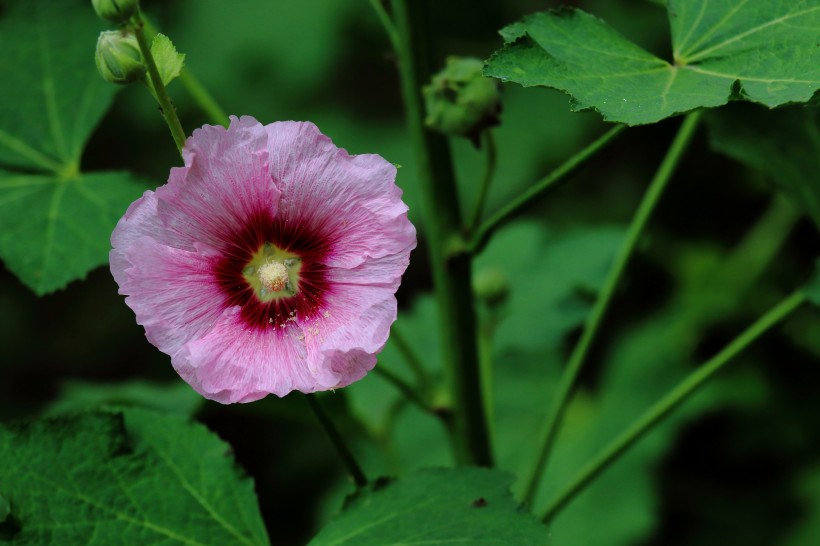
<point x="118" y="57"/>
<point x="491" y="286"/>
<point x="461" y="101"/>
<point x="116" y="11"/>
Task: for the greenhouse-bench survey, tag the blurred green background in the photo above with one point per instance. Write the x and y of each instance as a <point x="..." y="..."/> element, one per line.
<point x="740" y="464"/>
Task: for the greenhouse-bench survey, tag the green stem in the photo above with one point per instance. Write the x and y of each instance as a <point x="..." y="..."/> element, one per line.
<point x="387" y="23"/>
<point x="671" y="401"/>
<point x="194" y="87"/>
<point x="489" y="171"/>
<point x="485" y="356"/>
<point x="451" y="272"/>
<point x="203" y="98"/>
<point x="404" y="387"/>
<point x="579" y="353"/>
<point x="410" y="357"/>
<point x="169" y="113"/>
<point x="482" y="235"/>
<point x="338" y="442"/>
<point x="759" y="246"/>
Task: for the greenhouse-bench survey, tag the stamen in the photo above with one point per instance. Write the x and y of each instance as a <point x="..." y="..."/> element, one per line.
<point x="273" y="276"/>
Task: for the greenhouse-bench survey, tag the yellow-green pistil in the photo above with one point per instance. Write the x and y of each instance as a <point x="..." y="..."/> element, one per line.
<point x="273" y="273"/>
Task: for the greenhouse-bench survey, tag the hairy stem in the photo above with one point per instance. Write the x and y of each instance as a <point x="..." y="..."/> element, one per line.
<point x="442" y="221"/>
<point x="672" y="400"/>
<point x="169" y="113"/>
<point x="198" y="92"/>
<point x="579" y="353"/>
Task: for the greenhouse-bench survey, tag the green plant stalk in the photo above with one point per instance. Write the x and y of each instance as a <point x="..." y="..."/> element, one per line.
<point x="451" y="270"/>
<point x="194" y="87"/>
<point x="489" y="171"/>
<point x="671" y="401"/>
<point x="338" y="442"/>
<point x="570" y="375"/>
<point x="404" y="387"/>
<point x="481" y="236"/>
<point x="169" y="113"/>
<point x="387" y="23"/>
<point x="485" y="355"/>
<point x="410" y="358"/>
<point x="203" y="98"/>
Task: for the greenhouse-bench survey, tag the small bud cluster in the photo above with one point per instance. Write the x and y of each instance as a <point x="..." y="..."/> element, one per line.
<point x="118" y="55"/>
<point x="491" y="286"/>
<point x="461" y="101"/>
<point x="116" y="11"/>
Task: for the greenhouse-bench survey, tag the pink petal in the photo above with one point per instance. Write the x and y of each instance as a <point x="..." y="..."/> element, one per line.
<point x="178" y="254"/>
<point x="352" y="197"/>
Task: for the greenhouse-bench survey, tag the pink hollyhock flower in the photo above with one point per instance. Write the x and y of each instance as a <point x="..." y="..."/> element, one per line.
<point x="269" y="263"/>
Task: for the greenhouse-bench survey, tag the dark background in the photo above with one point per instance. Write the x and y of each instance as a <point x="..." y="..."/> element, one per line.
<point x="744" y="470"/>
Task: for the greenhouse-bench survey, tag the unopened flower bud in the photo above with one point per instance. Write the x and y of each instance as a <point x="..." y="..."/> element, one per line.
<point x="491" y="286"/>
<point x="461" y="101"/>
<point x="118" y="57"/>
<point x="116" y="11"/>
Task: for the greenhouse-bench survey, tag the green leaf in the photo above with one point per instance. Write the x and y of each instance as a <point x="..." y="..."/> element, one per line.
<point x="783" y="143"/>
<point x="176" y="397"/>
<point x="52" y="97"/>
<point x="436" y="506"/>
<point x="169" y="61"/>
<point x="55" y="223"/>
<point x="55" y="230"/>
<point x="758" y="50"/>
<point x="125" y="478"/>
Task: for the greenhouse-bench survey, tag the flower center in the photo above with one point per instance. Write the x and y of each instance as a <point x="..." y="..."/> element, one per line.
<point x="273" y="273"/>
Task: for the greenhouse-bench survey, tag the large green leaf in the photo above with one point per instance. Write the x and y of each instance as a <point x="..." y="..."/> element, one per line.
<point x="55" y="222"/>
<point x="783" y="143"/>
<point x="759" y="50"/>
<point x="436" y="506"/>
<point x="55" y="230"/>
<point x="176" y="397"/>
<point x="52" y="97"/>
<point x="125" y="478"/>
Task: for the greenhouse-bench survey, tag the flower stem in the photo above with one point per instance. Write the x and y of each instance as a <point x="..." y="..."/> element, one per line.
<point x="198" y="92"/>
<point x="482" y="235"/>
<point x="404" y="387"/>
<point x="579" y="353"/>
<point x="485" y="356"/>
<point x="169" y="113"/>
<point x="387" y="23"/>
<point x="203" y="98"/>
<point x="671" y="401"/>
<point x="411" y="358"/>
<point x="489" y="171"/>
<point x="338" y="442"/>
<point x="451" y="271"/>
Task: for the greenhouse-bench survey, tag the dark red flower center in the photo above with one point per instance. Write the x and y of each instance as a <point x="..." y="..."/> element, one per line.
<point x="253" y="251"/>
